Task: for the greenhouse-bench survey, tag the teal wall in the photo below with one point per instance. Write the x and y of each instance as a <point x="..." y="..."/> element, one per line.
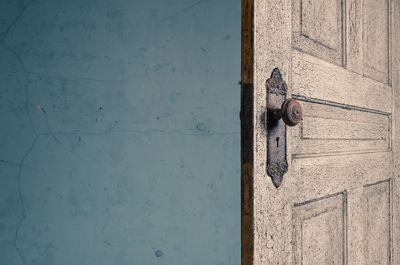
<point x="119" y="139"/>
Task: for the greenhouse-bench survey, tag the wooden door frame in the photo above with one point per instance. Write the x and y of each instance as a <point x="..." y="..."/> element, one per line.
<point x="246" y="138"/>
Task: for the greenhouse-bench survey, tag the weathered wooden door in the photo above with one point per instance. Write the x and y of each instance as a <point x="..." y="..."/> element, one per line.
<point x="339" y="202"/>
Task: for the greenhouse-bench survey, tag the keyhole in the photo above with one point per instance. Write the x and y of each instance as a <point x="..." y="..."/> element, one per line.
<point x="277" y="141"/>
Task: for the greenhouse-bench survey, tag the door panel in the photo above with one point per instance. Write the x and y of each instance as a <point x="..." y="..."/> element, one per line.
<point x="320" y="224"/>
<point x="376" y="28"/>
<point x="317" y="28"/>
<point x="377" y="222"/>
<point x="339" y="201"/>
<point x="329" y="128"/>
<point x="316" y="78"/>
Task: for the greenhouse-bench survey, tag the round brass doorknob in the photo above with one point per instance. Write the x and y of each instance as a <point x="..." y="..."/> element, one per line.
<point x="291" y="112"/>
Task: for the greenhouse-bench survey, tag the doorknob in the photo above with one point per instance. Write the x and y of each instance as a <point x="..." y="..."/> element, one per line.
<point x="281" y="111"/>
<point x="290" y="112"/>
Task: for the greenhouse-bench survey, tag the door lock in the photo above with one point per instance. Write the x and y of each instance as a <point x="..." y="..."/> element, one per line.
<point x="281" y="111"/>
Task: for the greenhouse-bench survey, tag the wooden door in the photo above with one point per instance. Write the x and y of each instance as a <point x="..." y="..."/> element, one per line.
<point x="339" y="201"/>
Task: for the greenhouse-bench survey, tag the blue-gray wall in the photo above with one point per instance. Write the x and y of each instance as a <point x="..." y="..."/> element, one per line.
<point x="119" y="137"/>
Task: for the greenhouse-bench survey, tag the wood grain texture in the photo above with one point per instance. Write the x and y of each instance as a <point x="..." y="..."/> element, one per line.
<point x="320" y="224"/>
<point x="395" y="73"/>
<point x="317" y="27"/>
<point x="347" y="144"/>
<point x="247" y="131"/>
<point x="376" y="29"/>
<point x="272" y="213"/>
<point x="377" y="222"/>
<point x="368" y="33"/>
<point x="340" y="129"/>
<point x="354" y="43"/>
<point x="315" y="78"/>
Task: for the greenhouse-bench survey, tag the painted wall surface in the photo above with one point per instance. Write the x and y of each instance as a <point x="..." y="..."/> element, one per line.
<point x="119" y="139"/>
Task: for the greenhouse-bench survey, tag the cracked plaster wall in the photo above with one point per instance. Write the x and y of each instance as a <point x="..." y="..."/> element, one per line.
<point x="119" y="139"/>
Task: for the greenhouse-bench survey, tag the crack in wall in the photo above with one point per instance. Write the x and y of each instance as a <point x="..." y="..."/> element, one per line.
<point x="21" y="123"/>
<point x="182" y="11"/>
<point x="144" y="132"/>
<point x="50" y="131"/>
<point x="19" y="173"/>
<point x="10" y="163"/>
<point x="47" y="124"/>
<point x="77" y="78"/>
<point x="4" y="34"/>
<point x="21" y="198"/>
<point x="77" y="132"/>
<point x="29" y="74"/>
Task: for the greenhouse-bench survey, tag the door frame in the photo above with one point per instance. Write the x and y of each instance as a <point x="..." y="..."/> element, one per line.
<point x="247" y="132"/>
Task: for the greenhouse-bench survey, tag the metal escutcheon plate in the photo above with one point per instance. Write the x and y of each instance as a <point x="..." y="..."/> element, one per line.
<point x="277" y="164"/>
